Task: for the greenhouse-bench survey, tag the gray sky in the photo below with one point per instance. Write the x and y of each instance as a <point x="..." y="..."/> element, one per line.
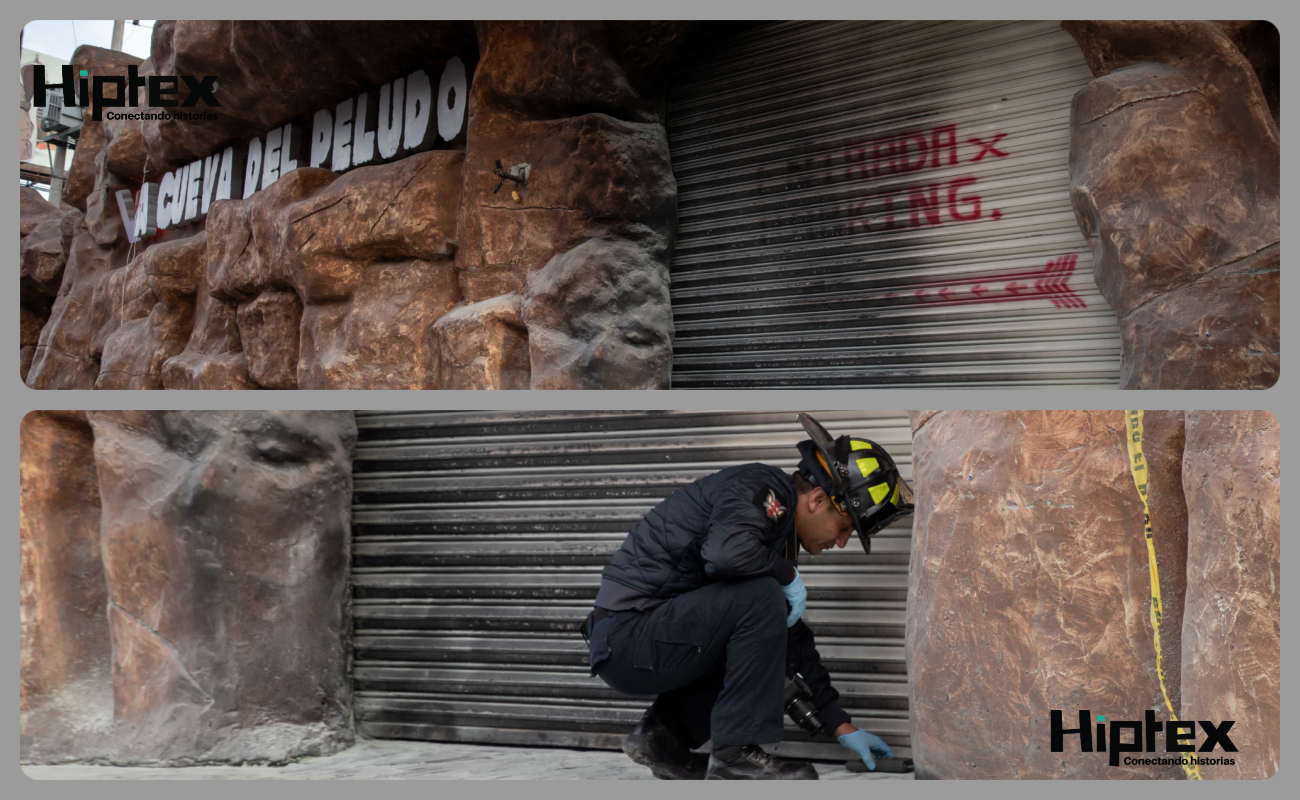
<point x="59" y="37"/>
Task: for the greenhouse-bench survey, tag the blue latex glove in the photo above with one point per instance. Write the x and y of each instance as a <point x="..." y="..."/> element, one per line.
<point x="865" y="745"/>
<point x="797" y="596"/>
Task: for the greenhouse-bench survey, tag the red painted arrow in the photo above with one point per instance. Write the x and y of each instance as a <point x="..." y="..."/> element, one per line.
<point x="1048" y="282"/>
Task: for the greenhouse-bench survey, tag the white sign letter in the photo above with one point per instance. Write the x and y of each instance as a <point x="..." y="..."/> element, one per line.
<point x="126" y="205"/>
<point x="253" y="169"/>
<point x="290" y="141"/>
<point x="146" y="214"/>
<point x="390" y="118"/>
<point x="223" y="177"/>
<point x="166" y="199"/>
<point x="321" y="125"/>
<point x="193" y="188"/>
<point x="363" y="146"/>
<point x="452" y="97"/>
<point x="210" y="166"/>
<point x="342" y="136"/>
<point x="419" y="99"/>
<point x="271" y="169"/>
<point x="181" y="181"/>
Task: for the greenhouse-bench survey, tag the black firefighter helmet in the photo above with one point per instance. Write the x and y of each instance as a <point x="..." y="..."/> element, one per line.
<point x="864" y="483"/>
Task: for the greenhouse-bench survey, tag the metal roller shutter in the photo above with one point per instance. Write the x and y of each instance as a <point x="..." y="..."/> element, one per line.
<point x="882" y="204"/>
<point x="479" y="538"/>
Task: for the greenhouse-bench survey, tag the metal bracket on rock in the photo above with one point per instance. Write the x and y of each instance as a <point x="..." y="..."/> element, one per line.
<point x="518" y="173"/>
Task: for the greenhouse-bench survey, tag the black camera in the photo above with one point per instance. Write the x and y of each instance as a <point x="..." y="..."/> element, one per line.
<point x="799" y="705"/>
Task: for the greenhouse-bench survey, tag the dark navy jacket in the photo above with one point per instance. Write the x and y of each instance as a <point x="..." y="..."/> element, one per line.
<point x="732" y="525"/>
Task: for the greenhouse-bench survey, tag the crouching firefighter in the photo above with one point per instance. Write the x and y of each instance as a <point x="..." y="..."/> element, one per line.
<point x="701" y="607"/>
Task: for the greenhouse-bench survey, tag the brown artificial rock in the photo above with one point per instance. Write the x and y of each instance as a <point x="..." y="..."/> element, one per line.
<point x="245" y="237"/>
<point x="85" y="175"/>
<point x="377" y="256"/>
<point x="268" y="329"/>
<point x="484" y="345"/>
<point x="1232" y="629"/>
<point x="389" y="212"/>
<point x="71" y="343"/>
<point x="368" y="254"/>
<point x="65" y="676"/>
<point x="33" y="210"/>
<point x="225" y="541"/>
<point x="382" y="336"/>
<point x="158" y="319"/>
<point x="42" y="254"/>
<point x="79" y="184"/>
<point x="1261" y="44"/>
<point x="1029" y="589"/>
<point x="30" y="323"/>
<point x="588" y="174"/>
<point x="587" y="244"/>
<point x="214" y="356"/>
<point x="1231" y="339"/>
<point x="272" y="72"/>
<point x="919" y="418"/>
<point x="42" y="258"/>
<point x="599" y="317"/>
<point x="1174" y="178"/>
<point x="124" y="153"/>
<point x="549" y="69"/>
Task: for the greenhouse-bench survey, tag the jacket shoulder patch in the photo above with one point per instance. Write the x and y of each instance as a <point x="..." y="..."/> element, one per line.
<point x="768" y="503"/>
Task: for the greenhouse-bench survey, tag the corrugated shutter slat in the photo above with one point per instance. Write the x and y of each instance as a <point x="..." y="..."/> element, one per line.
<point x="829" y="232"/>
<point x="478" y="541"/>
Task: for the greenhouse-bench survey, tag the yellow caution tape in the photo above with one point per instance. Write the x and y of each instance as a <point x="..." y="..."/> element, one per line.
<point x="1138" y="466"/>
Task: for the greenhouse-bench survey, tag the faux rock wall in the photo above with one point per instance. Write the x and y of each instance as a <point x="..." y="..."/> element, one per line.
<point x="43" y="254"/>
<point x="1232" y="636"/>
<point x="1029" y="586"/>
<point x="1175" y="181"/>
<point x="90" y="294"/>
<point x="65" y="661"/>
<point x="185" y="581"/>
<point x="411" y="274"/>
<point x="1029" y="591"/>
<point x="579" y="266"/>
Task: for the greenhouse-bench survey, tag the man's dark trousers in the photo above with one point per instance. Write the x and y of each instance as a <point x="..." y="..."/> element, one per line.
<point x="715" y="656"/>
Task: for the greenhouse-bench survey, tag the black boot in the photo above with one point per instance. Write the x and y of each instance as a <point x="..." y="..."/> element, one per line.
<point x="752" y="763"/>
<point x="658" y="745"/>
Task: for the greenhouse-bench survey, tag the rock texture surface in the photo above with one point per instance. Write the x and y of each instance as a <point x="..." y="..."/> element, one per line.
<point x="86" y="175"/>
<point x="1029" y="586"/>
<point x="225" y="539"/>
<point x="274" y="71"/>
<point x="185" y="585"/>
<point x="588" y="243"/>
<point x="156" y="315"/>
<point x="65" y="679"/>
<point x="1028" y="591"/>
<point x="337" y="281"/>
<point x="43" y="253"/>
<point x="1175" y="181"/>
<point x="85" y="312"/>
<point x="1232" y="635"/>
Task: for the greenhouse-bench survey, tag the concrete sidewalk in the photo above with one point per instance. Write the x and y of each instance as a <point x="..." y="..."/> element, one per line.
<point x="391" y="759"/>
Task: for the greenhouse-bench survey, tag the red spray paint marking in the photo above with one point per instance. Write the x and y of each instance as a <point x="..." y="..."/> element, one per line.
<point x="987" y="147"/>
<point x="1051" y="282"/>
